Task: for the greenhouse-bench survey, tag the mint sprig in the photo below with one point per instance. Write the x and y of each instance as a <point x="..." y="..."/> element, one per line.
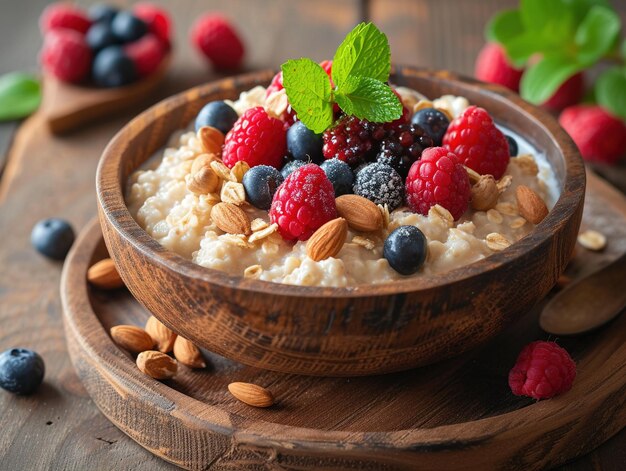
<point x="361" y="67"/>
<point x="20" y="95"/>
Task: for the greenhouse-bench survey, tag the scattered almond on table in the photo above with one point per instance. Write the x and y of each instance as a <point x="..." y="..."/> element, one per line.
<point x="104" y="275"/>
<point x="188" y="354"/>
<point x="132" y="338"/>
<point x="157" y="365"/>
<point x="162" y="335"/>
<point x="251" y="394"/>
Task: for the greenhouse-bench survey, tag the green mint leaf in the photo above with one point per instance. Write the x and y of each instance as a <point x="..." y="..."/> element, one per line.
<point x="309" y="93"/>
<point x="505" y="26"/>
<point x="580" y="8"/>
<point x="20" y="95"/>
<point x="364" y="53"/>
<point x="553" y="20"/>
<point x="520" y="48"/>
<point x="610" y="91"/>
<point x="369" y="99"/>
<point x="542" y="79"/>
<point x="596" y="34"/>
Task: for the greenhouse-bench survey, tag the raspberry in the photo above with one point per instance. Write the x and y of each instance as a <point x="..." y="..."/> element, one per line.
<point x="256" y="138"/>
<point x="156" y="18"/>
<point x="493" y="66"/>
<point x="66" y="55"/>
<point x="147" y="53"/>
<point x="568" y="94"/>
<point x="438" y="178"/>
<point x="64" y="16"/>
<point x="216" y="38"/>
<point x="542" y="370"/>
<point x="478" y="144"/>
<point x="600" y="137"/>
<point x="350" y="139"/>
<point x="304" y="202"/>
<point x="380" y="184"/>
<point x="402" y="146"/>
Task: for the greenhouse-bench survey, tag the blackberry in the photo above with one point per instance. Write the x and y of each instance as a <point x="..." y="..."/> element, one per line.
<point x="350" y="140"/>
<point x="340" y="175"/>
<point x="381" y="184"/>
<point x="433" y="121"/>
<point x="403" y="145"/>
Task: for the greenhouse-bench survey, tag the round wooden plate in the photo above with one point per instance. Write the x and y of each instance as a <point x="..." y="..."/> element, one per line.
<point x="458" y="414"/>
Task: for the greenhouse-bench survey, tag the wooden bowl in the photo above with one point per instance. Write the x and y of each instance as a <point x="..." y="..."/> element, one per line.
<point x="363" y="330"/>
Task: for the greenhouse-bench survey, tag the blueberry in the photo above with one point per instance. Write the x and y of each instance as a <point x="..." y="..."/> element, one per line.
<point x="127" y="27"/>
<point x="291" y="167"/>
<point x="379" y="183"/>
<point x="513" y="149"/>
<point x="433" y="121"/>
<point x="100" y="36"/>
<point x="340" y="175"/>
<point x="217" y="114"/>
<point x="21" y="370"/>
<point x="260" y="183"/>
<point x="304" y="144"/>
<point x="113" y="68"/>
<point x="102" y="13"/>
<point x="405" y="249"/>
<point x="52" y="238"/>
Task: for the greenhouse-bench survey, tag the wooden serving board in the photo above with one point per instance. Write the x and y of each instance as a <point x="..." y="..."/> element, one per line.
<point x="459" y="414"/>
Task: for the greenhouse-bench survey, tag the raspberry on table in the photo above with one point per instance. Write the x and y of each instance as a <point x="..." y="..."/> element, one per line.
<point x="64" y="16"/>
<point x="569" y="93"/>
<point x="66" y="55"/>
<point x="542" y="370"/>
<point x="475" y="140"/>
<point x="380" y="184"/>
<point x="147" y="53"/>
<point x="350" y="140"/>
<point x="216" y="38"/>
<point x="438" y="178"/>
<point x="256" y="138"/>
<point x="303" y="203"/>
<point x="402" y="146"/>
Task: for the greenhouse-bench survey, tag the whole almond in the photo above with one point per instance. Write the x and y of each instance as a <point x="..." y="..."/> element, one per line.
<point x="188" y="354"/>
<point x="530" y="205"/>
<point x="212" y="139"/>
<point x="485" y="193"/>
<point x="161" y="334"/>
<point x="103" y="274"/>
<point x="251" y="394"/>
<point x="328" y="239"/>
<point x="203" y="181"/>
<point x="157" y="365"/>
<point x="203" y="160"/>
<point x="131" y="338"/>
<point x="231" y="219"/>
<point x="360" y="213"/>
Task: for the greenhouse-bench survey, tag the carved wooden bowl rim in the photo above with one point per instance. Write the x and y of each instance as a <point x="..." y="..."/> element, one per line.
<point x="110" y="191"/>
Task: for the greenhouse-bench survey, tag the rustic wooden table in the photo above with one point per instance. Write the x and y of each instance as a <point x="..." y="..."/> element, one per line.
<point x="59" y="428"/>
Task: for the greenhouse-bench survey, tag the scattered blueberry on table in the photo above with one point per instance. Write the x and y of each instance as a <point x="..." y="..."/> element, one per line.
<point x="53" y="238"/>
<point x="405" y="249"/>
<point x="21" y="370"/>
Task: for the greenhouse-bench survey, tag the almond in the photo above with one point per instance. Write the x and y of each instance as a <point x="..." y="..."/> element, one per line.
<point x="328" y="239"/>
<point x="162" y="335"/>
<point x="203" y="181"/>
<point x="360" y="213"/>
<point x="530" y="205"/>
<point x="203" y="160"/>
<point x="485" y="193"/>
<point x="188" y="354"/>
<point x="231" y="219"/>
<point x="103" y="274"/>
<point x="156" y="364"/>
<point x="131" y="338"/>
<point x="212" y="140"/>
<point x="251" y="394"/>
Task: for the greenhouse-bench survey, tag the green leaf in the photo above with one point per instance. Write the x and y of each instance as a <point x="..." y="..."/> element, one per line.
<point x="610" y="90"/>
<point x="505" y="26"/>
<point x="364" y="53"/>
<point x="20" y="95"/>
<point x="542" y="79"/>
<point x="596" y="34"/>
<point x="553" y="19"/>
<point x="308" y="89"/>
<point x="520" y="48"/>
<point x="580" y="8"/>
<point x="369" y="99"/>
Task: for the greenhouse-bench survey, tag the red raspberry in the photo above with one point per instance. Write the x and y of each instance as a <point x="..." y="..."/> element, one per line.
<point x="438" y="178"/>
<point x="542" y="370"/>
<point x="478" y="144"/>
<point x="66" y="55"/>
<point x="304" y="202"/>
<point x="216" y="38"/>
<point x="157" y="19"/>
<point x="65" y="16"/>
<point x="600" y="136"/>
<point x="256" y="138"/>
<point x="147" y="53"/>
<point x="568" y="94"/>
<point x="493" y="66"/>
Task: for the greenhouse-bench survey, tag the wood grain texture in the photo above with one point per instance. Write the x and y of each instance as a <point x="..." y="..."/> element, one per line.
<point x="351" y="331"/>
<point x="454" y="415"/>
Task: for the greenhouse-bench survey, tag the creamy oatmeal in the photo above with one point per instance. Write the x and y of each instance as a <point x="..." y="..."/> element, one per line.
<point x="159" y="199"/>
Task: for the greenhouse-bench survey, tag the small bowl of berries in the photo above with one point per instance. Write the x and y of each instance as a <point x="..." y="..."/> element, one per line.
<point x="341" y="218"/>
<point x="99" y="61"/>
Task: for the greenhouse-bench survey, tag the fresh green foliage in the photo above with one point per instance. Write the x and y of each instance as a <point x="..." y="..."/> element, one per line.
<point x="360" y="69"/>
<point x="556" y="39"/>
<point x="610" y="91"/>
<point x="20" y="95"/>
